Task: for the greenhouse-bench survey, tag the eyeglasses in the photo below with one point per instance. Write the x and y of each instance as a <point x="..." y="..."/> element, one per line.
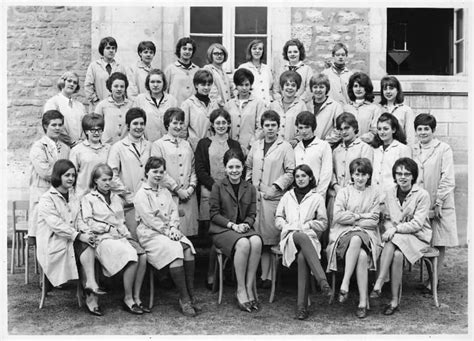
<point x="403" y="174"/>
<point x="221" y="54"/>
<point x="96" y="130"/>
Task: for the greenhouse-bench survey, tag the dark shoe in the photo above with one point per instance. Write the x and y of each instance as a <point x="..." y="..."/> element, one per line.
<point x="389" y="310"/>
<point x="302" y="314"/>
<point x="194" y="302"/>
<point x="255" y="305"/>
<point x="266" y="284"/>
<point x="94" y="311"/>
<point x="361" y="312"/>
<point x="187" y="308"/>
<point x="326" y="291"/>
<point x="243" y="306"/>
<point x="97" y="291"/>
<point x="343" y="296"/>
<point x="144" y="308"/>
<point x="134" y="309"/>
<point x="375" y="294"/>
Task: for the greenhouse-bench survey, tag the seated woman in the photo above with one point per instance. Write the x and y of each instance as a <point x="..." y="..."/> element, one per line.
<point x="60" y="246"/>
<point x="158" y="232"/>
<point x="301" y="217"/>
<point x="407" y="228"/>
<point x="354" y="238"/>
<point x="233" y="207"/>
<point x="103" y="216"/>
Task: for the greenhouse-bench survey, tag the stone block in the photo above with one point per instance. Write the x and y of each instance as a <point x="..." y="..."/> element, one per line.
<point x="441" y="129"/>
<point x="440" y="102"/>
<point x="459" y="102"/>
<point x="458" y="129"/>
<point x="322" y="29"/>
<point x="448" y="115"/>
<point x="297" y="15"/>
<point x="347" y="17"/>
<point x="314" y="15"/>
<point x="26" y="9"/>
<point x="20" y="102"/>
<point x="45" y="82"/>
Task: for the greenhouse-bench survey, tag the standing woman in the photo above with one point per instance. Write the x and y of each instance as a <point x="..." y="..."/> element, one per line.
<point x="180" y="177"/>
<point x="221" y="90"/>
<point x="114" y="108"/>
<point x="198" y="107"/>
<point x="179" y="75"/>
<point x="138" y="72"/>
<point x="99" y="71"/>
<point x="354" y="238"/>
<point x="270" y="164"/>
<point x="232" y="212"/>
<point x="294" y="54"/>
<point x="60" y="246"/>
<point x="301" y="217"/>
<point x="159" y="233"/>
<point x="103" y="216"/>
<point x="90" y="152"/>
<point x="339" y="74"/>
<point x="263" y="78"/>
<point x="389" y="145"/>
<point x="360" y="91"/>
<point x="155" y="101"/>
<point x="245" y="110"/>
<point x="407" y="228"/>
<point x="289" y="105"/>
<point x="392" y="102"/>
<point x="43" y="154"/>
<point x="72" y="110"/>
<point x="435" y="161"/>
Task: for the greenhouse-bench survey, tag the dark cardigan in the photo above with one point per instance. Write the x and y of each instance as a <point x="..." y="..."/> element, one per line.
<point x="201" y="157"/>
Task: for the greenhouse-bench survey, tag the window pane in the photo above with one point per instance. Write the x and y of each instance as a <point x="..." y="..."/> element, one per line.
<point x="206" y="19"/>
<point x="251" y="20"/>
<point x="203" y="43"/>
<point x="241" y="47"/>
<point x="460" y="57"/>
<point x="459" y="24"/>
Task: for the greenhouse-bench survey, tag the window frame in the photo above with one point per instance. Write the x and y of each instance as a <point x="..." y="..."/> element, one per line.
<point x="456" y="41"/>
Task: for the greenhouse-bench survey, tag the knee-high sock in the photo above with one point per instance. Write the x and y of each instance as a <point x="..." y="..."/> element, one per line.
<point x="189" y="274"/>
<point x="179" y="278"/>
<point x="305" y="246"/>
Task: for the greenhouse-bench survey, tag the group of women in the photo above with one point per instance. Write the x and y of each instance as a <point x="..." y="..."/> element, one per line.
<point x="308" y="162"/>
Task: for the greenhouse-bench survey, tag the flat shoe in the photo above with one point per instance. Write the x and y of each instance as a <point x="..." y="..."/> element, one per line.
<point x="302" y="314"/>
<point x="97" y="291"/>
<point x="134" y="309"/>
<point x="343" y="296"/>
<point x="255" y="305"/>
<point x="389" y="310"/>
<point x="243" y="306"/>
<point x="95" y="311"/>
<point x="361" y="312"/>
<point x="375" y="294"/>
<point x="142" y="307"/>
<point x="187" y="309"/>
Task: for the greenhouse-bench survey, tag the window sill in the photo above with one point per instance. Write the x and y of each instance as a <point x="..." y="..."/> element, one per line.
<point x="426" y="84"/>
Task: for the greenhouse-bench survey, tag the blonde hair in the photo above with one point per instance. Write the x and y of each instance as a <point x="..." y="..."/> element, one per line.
<point x="62" y="80"/>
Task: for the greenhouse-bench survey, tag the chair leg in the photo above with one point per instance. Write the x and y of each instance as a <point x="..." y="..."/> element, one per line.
<point x="12" y="268"/>
<point x="434" y="282"/>
<point x="333" y="287"/>
<point x="80" y="294"/>
<point x="274" y="276"/>
<point x="27" y="267"/>
<point x="43" y="289"/>
<point x="152" y="287"/>
<point x="36" y="260"/>
<point x="421" y="271"/>
<point x="221" y="275"/>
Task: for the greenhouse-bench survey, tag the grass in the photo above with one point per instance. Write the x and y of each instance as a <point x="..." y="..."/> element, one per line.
<point x="417" y="315"/>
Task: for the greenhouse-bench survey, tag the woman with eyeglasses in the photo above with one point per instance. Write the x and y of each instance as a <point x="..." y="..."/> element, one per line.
<point x="87" y="154"/>
<point x="221" y="90"/>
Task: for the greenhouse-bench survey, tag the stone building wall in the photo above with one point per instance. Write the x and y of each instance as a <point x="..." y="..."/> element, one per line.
<point x="42" y="43"/>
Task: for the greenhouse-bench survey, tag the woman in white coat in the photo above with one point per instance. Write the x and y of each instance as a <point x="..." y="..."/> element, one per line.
<point x="221" y="91"/>
<point x="301" y="217"/>
<point x="102" y="215"/>
<point x="60" y="245"/>
<point x="435" y="161"/>
<point x="354" y="237"/>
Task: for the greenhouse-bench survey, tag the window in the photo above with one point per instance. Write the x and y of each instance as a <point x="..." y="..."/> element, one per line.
<point x="420" y="41"/>
<point x="234" y="27"/>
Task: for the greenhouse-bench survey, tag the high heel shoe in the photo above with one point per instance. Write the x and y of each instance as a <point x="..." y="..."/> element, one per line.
<point x="144" y="308"/>
<point x="255" y="305"/>
<point x="134" y="309"/>
<point x="243" y="306"/>
<point x="97" y="291"/>
<point x="94" y="311"/>
<point x="389" y="309"/>
<point x="343" y="296"/>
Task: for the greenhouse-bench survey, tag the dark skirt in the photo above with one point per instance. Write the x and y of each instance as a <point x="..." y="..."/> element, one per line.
<point x="343" y="243"/>
<point x="225" y="241"/>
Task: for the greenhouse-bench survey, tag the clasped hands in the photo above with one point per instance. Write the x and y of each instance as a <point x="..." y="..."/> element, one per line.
<point x="175" y="234"/>
<point x="240" y="228"/>
<point x="184" y="194"/>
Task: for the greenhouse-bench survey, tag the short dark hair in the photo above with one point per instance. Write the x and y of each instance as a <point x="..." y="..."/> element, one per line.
<point x="92" y="120"/>
<point x="409" y="164"/>
<point x="320" y="79"/>
<point x="425" y="120"/>
<point x="243" y="74"/>
<point x="270" y="115"/>
<point x="134" y="113"/>
<point x="113" y="77"/>
<point x="290" y="76"/>
<point x="99" y="169"/>
<point x="154" y="162"/>
<point x="398" y="135"/>
<point x="393" y="82"/>
<point x="306" y="118"/>
<point x="50" y="115"/>
<point x="156" y="72"/>
<point x="307" y="169"/>
<point x="183" y="42"/>
<point x="298" y="44"/>
<point x="233" y="154"/>
<point x="170" y="113"/>
<point x="361" y="165"/>
<point x="349" y="119"/>
<point x="202" y="76"/>
<point x="146" y="45"/>
<point x="107" y="41"/>
<point x="59" y="168"/>
<point x="339" y="46"/>
<point x="365" y="82"/>
<point x="219" y="112"/>
<point x="248" y="52"/>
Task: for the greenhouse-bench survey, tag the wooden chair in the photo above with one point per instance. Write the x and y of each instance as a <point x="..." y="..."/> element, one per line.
<point x="44" y="290"/>
<point x="430" y="258"/>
